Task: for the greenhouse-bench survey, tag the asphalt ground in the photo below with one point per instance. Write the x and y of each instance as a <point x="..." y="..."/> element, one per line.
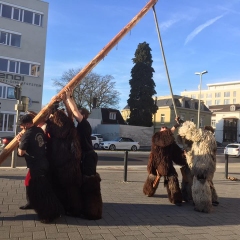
<point x="127" y="213"/>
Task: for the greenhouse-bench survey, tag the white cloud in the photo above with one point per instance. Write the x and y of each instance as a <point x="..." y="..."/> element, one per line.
<point x="200" y="28"/>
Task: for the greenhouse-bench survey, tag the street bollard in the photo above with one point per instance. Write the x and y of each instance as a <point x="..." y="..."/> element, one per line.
<point x="226" y="166"/>
<point x="125" y="166"/>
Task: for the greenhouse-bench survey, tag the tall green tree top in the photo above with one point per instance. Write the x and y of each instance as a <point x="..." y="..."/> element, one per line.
<point x="141" y="103"/>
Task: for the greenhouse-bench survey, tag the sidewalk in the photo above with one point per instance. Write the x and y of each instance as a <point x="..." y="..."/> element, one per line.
<point x="127" y="213"/>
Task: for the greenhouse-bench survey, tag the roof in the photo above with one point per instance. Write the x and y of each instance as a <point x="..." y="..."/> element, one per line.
<point x="223" y="83"/>
<point x="224" y="108"/>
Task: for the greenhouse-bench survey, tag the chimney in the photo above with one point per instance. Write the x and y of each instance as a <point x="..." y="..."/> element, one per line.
<point x="94" y="102"/>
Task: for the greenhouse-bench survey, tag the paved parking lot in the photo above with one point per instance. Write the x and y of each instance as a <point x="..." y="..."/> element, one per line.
<point x="127" y="213"/>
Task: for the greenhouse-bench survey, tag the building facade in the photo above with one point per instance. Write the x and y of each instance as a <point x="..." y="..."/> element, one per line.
<point x="23" y="31"/>
<point x="187" y="109"/>
<point x="217" y="93"/>
<point x="225" y="121"/>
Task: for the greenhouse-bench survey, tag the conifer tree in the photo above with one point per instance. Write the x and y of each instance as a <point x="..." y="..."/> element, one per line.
<point x="141" y="102"/>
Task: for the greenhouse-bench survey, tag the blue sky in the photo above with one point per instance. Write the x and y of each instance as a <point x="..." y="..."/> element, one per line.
<point x="197" y="35"/>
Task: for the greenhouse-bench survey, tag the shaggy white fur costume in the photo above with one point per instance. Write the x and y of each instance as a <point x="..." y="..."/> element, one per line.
<point x="200" y="146"/>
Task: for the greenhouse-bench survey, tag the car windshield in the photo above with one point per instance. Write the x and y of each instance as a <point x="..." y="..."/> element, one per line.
<point x="232" y="146"/>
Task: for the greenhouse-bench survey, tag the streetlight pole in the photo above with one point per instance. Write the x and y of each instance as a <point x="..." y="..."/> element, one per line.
<point x="199" y="102"/>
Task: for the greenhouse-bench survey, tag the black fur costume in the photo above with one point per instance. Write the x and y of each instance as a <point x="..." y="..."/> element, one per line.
<point x="64" y="155"/>
<point x="164" y="152"/>
<point x="80" y="194"/>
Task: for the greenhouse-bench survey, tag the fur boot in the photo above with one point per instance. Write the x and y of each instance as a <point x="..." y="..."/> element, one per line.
<point x="92" y="198"/>
<point x="151" y="185"/>
<point x="202" y="196"/>
<point x="187" y="179"/>
<point x="173" y="190"/>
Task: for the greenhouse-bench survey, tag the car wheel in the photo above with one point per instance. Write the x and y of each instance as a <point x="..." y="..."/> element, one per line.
<point x="96" y="145"/>
<point x="112" y="147"/>
<point x="134" y="148"/>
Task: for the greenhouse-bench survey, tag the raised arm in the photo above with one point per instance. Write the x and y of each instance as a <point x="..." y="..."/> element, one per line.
<point x="70" y="103"/>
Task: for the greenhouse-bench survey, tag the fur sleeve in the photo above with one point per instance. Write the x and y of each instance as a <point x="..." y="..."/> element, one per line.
<point x="178" y="155"/>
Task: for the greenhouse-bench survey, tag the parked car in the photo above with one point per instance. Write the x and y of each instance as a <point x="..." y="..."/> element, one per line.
<point x="100" y="137"/>
<point x="232" y="149"/>
<point x="4" y="141"/>
<point x="120" y="143"/>
<point x="95" y="141"/>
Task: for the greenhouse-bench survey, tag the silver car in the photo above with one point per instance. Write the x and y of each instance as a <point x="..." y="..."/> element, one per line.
<point x="232" y="149"/>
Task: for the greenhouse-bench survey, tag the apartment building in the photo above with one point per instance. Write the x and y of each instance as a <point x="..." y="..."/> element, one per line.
<point x="217" y="93"/>
<point x="187" y="109"/>
<point x="23" y="30"/>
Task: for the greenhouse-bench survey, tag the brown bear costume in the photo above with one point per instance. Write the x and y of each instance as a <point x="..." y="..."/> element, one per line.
<point x="164" y="152"/>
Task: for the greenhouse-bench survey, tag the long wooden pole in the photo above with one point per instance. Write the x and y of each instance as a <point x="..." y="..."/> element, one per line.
<point x="73" y="83"/>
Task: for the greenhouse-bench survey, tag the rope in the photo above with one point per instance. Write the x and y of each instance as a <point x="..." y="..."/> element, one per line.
<point x="164" y="59"/>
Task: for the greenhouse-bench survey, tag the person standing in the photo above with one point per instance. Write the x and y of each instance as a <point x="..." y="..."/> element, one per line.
<point x="91" y="191"/>
<point x="32" y="147"/>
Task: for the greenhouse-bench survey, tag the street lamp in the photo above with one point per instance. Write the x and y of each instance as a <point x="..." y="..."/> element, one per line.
<point x="200" y="86"/>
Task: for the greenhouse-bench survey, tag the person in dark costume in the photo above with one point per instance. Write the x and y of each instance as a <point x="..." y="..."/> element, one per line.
<point x="164" y="152"/>
<point x="32" y="147"/>
<point x="28" y="176"/>
<point x="91" y="192"/>
<point x="64" y="155"/>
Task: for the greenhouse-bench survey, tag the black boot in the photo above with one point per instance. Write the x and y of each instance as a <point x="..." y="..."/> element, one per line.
<point x="28" y="205"/>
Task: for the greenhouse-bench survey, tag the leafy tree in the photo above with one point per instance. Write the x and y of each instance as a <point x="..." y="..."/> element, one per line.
<point x="92" y="86"/>
<point x="141" y="103"/>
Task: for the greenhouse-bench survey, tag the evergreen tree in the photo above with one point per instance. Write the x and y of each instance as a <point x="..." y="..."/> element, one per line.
<point x="141" y="102"/>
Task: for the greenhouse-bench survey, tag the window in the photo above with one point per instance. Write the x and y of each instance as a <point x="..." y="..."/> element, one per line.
<point x="35" y="70"/>
<point x="213" y="123"/>
<point x="234" y="100"/>
<point x="22" y="15"/>
<point x="226" y="101"/>
<point x="193" y="96"/>
<point x="16" y="14"/>
<point x="217" y="102"/>
<point x="217" y="94"/>
<point x="209" y="102"/>
<point x="112" y="115"/>
<point x="24" y="68"/>
<point x="192" y="119"/>
<point x="37" y="19"/>
<point x="10" y="39"/>
<point x="3" y="38"/>
<point x="28" y="16"/>
<point x="162" y="118"/>
<point x="6" y="11"/>
<point x="15" y="40"/>
<point x="6" y="122"/>
<point x="10" y="93"/>
<point x="3" y="64"/>
<point x="12" y="66"/>
<point x="226" y="94"/>
<point x="7" y="92"/>
<point x="234" y="93"/>
<point x="208" y="95"/>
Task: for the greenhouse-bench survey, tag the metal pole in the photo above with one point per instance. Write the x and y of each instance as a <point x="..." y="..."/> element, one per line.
<point x="199" y="101"/>
<point x="164" y="59"/>
<point x="14" y="153"/>
<point x="125" y="166"/>
<point x="226" y="166"/>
